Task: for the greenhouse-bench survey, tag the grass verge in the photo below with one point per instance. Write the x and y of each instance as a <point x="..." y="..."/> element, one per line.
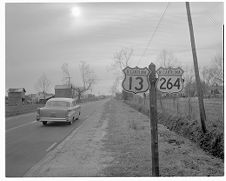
<point x="212" y="141"/>
<point x="21" y="109"/>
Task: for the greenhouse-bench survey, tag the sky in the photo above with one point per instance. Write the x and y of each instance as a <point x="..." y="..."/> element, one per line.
<point x="41" y="37"/>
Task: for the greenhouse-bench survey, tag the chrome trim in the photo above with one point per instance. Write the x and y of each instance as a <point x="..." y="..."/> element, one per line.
<point x="53" y="119"/>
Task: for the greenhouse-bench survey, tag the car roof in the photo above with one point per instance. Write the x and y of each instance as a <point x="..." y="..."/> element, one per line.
<point x="61" y="99"/>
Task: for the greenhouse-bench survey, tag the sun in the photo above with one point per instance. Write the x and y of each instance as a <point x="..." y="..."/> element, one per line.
<point x="75" y="11"/>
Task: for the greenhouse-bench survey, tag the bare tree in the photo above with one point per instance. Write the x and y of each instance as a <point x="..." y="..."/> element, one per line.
<point x="214" y="74"/>
<point x="122" y="58"/>
<point x="43" y="84"/>
<point x="167" y="59"/>
<point x="66" y="74"/>
<point x="189" y="89"/>
<point x="120" y="61"/>
<point x="206" y="75"/>
<point x="88" y="79"/>
<point x="114" y="88"/>
<point x="218" y="69"/>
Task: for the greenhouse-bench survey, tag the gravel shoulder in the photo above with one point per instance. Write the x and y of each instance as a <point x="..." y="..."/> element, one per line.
<point x="115" y="141"/>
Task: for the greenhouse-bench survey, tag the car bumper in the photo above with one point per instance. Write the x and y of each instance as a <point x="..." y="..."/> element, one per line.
<point x="49" y="119"/>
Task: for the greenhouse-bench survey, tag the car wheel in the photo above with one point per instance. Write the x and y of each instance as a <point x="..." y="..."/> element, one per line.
<point x="78" y="116"/>
<point x="70" y="122"/>
<point x="44" y="123"/>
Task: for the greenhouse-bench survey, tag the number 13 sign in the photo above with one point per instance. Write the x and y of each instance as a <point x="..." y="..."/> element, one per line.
<point x="170" y="80"/>
<point x="136" y="79"/>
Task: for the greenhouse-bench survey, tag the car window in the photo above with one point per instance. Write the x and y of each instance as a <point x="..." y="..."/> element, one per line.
<point x="57" y="104"/>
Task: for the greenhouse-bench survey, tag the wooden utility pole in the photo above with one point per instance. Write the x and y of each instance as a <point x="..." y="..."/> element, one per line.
<point x="153" y="121"/>
<point x="198" y="82"/>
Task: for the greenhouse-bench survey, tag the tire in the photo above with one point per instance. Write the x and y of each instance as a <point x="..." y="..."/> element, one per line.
<point x="44" y="123"/>
<point x="78" y="116"/>
<point x="70" y="122"/>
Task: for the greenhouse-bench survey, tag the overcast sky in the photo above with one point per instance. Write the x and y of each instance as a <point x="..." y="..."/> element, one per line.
<point x="41" y="37"/>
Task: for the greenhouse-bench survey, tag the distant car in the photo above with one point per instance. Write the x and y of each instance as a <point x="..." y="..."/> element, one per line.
<point x="59" y="110"/>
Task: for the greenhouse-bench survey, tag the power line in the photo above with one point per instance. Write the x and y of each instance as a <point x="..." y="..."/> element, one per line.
<point x="149" y="42"/>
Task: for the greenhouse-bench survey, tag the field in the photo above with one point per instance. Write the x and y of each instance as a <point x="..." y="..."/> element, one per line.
<point x="180" y="106"/>
<point x="21" y="109"/>
<point x="182" y="116"/>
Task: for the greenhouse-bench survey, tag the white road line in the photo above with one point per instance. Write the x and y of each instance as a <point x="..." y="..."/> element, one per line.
<point x="22" y="125"/>
<point x="51" y="147"/>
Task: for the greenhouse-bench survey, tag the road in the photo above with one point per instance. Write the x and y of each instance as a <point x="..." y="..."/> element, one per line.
<point x="28" y="141"/>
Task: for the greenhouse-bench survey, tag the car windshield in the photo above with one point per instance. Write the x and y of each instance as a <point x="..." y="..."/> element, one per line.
<point x="57" y="104"/>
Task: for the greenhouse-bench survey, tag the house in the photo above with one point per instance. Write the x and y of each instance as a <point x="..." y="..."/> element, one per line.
<point x="65" y="91"/>
<point x="16" y="96"/>
<point x="216" y="90"/>
<point x="32" y="98"/>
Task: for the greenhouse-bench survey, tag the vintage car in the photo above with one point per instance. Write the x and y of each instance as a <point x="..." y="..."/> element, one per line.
<point x="59" y="110"/>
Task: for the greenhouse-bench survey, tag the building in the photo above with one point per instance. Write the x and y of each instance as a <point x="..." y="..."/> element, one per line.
<point x="65" y="91"/>
<point x="16" y="96"/>
<point x="217" y="90"/>
<point x="32" y="98"/>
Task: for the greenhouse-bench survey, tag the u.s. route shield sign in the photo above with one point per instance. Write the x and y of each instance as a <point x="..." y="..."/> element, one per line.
<point x="136" y="79"/>
<point x="170" y="80"/>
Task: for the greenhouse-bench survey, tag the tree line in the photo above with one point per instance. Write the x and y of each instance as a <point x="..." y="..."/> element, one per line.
<point x="88" y="78"/>
<point x="210" y="75"/>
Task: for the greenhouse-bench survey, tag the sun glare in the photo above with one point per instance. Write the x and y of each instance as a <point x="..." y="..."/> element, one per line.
<point x="75" y="11"/>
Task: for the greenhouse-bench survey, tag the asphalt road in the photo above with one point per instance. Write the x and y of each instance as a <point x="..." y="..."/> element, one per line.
<point x="28" y="141"/>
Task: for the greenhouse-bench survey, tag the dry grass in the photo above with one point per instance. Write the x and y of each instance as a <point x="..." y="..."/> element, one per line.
<point x="21" y="109"/>
<point x="182" y="116"/>
<point x="128" y="141"/>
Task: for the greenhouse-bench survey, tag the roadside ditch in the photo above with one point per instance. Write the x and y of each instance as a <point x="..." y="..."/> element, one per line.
<point x="211" y="142"/>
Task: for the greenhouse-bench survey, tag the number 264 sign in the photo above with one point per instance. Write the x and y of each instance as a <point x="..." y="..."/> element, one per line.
<point x="170" y="80"/>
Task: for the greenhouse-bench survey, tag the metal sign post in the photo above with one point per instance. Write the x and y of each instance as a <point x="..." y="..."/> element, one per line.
<point x="153" y="121"/>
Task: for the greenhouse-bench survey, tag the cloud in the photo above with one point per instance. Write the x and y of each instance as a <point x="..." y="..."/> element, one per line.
<point x="40" y="37"/>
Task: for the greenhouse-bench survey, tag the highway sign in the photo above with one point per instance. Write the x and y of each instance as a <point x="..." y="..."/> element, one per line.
<point x="170" y="80"/>
<point x="136" y="79"/>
